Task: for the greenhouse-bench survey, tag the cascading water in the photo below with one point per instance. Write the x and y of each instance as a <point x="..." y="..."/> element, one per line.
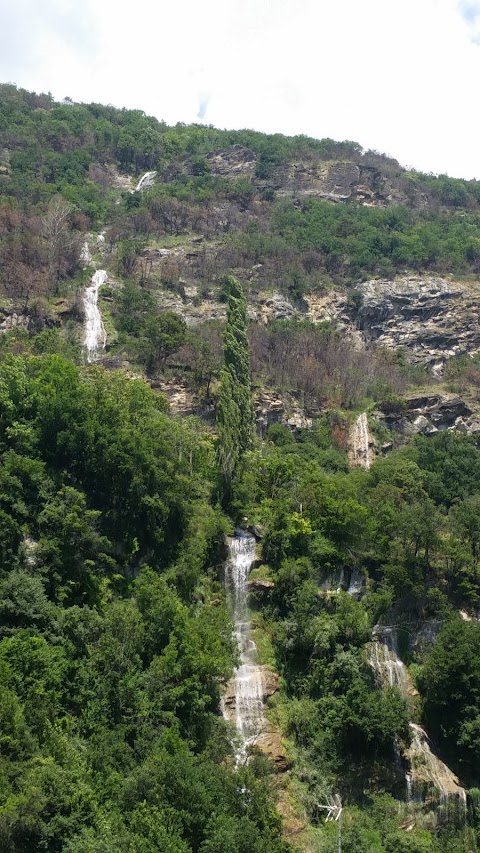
<point x="146" y="181"/>
<point x="350" y="581"/>
<point x="428" y="779"/>
<point x="85" y="254"/>
<point x="245" y="704"/>
<point x="427" y="770"/>
<point x="95" y="335"/>
<point x="360" y="443"/>
<point x="386" y="663"/>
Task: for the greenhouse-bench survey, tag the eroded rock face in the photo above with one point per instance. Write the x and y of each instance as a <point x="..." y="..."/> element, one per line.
<point x="272" y="407"/>
<point x="430" y="317"/>
<point x="178" y="394"/>
<point x="336" y="181"/>
<point x="427" y="415"/>
<point x="13" y="321"/>
<point x="271" y="744"/>
<point x="260" y="585"/>
<point x="234" y="162"/>
<point x="4" y="161"/>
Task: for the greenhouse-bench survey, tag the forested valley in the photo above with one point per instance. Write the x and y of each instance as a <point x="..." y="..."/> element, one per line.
<point x="175" y="407"/>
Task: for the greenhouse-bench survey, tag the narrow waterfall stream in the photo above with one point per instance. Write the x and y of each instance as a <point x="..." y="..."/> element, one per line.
<point x="85" y="254"/>
<point x="95" y="335"/>
<point x="360" y="455"/>
<point x="386" y="663"/>
<point x="146" y="181"/>
<point x="426" y="773"/>
<point x="244" y="703"/>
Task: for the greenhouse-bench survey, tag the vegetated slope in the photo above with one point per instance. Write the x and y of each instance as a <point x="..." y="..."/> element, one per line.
<point x="115" y="641"/>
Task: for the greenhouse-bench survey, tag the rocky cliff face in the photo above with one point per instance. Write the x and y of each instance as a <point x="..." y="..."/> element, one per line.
<point x="428" y="414"/>
<point x="430" y="317"/>
<point x="337" y="180"/>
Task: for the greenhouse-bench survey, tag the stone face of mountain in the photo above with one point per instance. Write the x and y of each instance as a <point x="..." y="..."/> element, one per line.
<point x="430" y="317"/>
<point x="337" y="180"/>
<point x="428" y="414"/>
<point x="234" y="162"/>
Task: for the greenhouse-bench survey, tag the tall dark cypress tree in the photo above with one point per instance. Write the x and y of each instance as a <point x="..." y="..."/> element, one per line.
<point x="235" y="417"/>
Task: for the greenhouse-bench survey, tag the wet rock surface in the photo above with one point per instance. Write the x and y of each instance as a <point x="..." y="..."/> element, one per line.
<point x="270" y="682"/>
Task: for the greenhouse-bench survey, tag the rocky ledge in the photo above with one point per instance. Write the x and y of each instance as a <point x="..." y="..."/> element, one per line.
<point x="429" y="414"/>
<point x="430" y="317"/>
<point x="270" y="685"/>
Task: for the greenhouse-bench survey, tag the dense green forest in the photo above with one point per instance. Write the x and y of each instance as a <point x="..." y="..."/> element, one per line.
<point x="115" y="636"/>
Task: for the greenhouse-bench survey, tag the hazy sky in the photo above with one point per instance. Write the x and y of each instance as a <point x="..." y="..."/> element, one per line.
<point x="399" y="77"/>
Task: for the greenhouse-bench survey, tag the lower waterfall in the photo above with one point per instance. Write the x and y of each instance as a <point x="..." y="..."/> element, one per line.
<point x="428" y="779"/>
<point x="95" y="335"/>
<point x="245" y="705"/>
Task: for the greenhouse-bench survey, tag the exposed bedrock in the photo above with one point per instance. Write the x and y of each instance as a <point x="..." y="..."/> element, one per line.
<point x="430" y="317"/>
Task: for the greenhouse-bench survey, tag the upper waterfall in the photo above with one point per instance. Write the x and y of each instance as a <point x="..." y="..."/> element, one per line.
<point x="146" y="181"/>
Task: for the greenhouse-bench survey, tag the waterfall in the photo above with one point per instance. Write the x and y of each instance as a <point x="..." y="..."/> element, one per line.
<point x="428" y="778"/>
<point x="95" y="335"/>
<point x="85" y="255"/>
<point x="360" y="455"/>
<point x="427" y="770"/>
<point x="146" y="181"/>
<point x="385" y="662"/>
<point x="244" y="702"/>
<point x="355" y="584"/>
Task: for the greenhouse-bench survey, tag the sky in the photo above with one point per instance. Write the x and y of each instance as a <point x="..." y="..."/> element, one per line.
<point x="398" y="76"/>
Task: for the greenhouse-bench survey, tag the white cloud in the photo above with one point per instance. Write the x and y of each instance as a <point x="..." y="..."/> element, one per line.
<point x="400" y="78"/>
<point x="470" y="12"/>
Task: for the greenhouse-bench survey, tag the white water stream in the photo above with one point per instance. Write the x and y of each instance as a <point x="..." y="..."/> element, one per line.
<point x="245" y="703"/>
<point x="426" y="770"/>
<point x="386" y="663"/>
<point x="85" y="254"/>
<point x="95" y="335"/>
<point x="147" y="180"/>
<point x="360" y="442"/>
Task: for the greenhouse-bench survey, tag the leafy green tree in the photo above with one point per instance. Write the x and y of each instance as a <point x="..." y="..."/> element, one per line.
<point x="450" y="684"/>
<point x="162" y="336"/>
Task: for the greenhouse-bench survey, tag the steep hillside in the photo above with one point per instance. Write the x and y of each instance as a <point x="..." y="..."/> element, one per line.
<point x="240" y="503"/>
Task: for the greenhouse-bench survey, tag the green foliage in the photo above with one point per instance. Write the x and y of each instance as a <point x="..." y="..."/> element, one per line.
<point x="234" y="408"/>
<point x="451" y="688"/>
<point x="162" y="336"/>
<point x="111" y="683"/>
<point x="115" y="644"/>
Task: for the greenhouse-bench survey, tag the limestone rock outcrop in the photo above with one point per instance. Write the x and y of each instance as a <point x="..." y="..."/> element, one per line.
<point x="430" y="317"/>
<point x="336" y="181"/>
<point x="236" y="161"/>
<point x="428" y="414"/>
